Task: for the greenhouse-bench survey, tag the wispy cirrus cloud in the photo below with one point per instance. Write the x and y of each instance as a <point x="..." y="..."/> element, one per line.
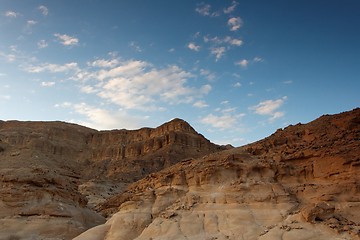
<point x="47" y="84"/>
<point x="44" y="10"/>
<point x="205" y="10"/>
<point x="235" y="23"/>
<point x="231" y="8"/>
<point x="200" y="104"/>
<point x="222" y="121"/>
<point x="104" y="63"/>
<point x="11" y="14"/>
<point x="270" y="108"/>
<point x="53" y="68"/>
<point x="66" y="40"/>
<point x="220" y="45"/>
<point x="31" y="23"/>
<point x="226" y="40"/>
<point x="194" y="47"/>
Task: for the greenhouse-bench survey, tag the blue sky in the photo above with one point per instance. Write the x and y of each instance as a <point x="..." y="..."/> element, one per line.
<point x="235" y="70"/>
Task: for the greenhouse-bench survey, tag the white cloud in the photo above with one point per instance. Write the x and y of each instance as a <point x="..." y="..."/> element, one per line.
<point x="172" y="50"/>
<point x="217" y="40"/>
<point x="136" y="85"/>
<point x="194" y="47"/>
<point x="102" y="119"/>
<point x="47" y="84"/>
<point x="258" y="59"/>
<point x="200" y="104"/>
<point x="66" y="40"/>
<point x="225" y="121"/>
<point x="44" y="10"/>
<point x="88" y="89"/>
<point x="126" y="69"/>
<point x="234" y="41"/>
<point x="270" y="107"/>
<point x="203" y="9"/>
<point x="237" y="85"/>
<point x="235" y="23"/>
<point x="231" y="8"/>
<point x="11" y="14"/>
<point x="31" y="23"/>
<point x="218" y="52"/>
<point x="103" y="63"/>
<point x="243" y="63"/>
<point x="42" y="44"/>
<point x="53" y="68"/>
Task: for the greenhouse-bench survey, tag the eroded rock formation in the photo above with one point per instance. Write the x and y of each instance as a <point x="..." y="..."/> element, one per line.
<point x="53" y="173"/>
<point x="58" y="180"/>
<point x="300" y="183"/>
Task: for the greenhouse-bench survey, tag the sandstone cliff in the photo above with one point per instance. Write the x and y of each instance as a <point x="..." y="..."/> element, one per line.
<point x="53" y="173"/>
<point x="300" y="183"/>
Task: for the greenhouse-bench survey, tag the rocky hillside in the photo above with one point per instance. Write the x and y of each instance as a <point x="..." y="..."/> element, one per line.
<point x="302" y="182"/>
<point x="52" y="174"/>
<point x="64" y="181"/>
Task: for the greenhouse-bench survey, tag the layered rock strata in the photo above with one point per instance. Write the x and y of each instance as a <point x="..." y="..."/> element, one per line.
<point x="300" y="183"/>
<point x="53" y="173"/>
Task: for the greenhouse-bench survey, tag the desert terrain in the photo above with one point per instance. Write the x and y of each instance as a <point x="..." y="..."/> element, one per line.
<point x="65" y="181"/>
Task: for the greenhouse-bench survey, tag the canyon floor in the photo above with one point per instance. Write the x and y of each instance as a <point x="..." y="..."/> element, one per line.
<point x="65" y="181"/>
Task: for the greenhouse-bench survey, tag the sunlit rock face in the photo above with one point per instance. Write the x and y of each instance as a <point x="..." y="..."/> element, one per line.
<point x="52" y="173"/>
<point x="64" y="181"/>
<point x="302" y="182"/>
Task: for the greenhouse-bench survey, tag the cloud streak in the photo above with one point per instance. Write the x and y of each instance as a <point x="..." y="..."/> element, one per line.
<point x="11" y="14"/>
<point x="66" y="40"/>
<point x="270" y="108"/>
<point x="231" y="8"/>
<point x="44" y="10"/>
<point x="53" y="68"/>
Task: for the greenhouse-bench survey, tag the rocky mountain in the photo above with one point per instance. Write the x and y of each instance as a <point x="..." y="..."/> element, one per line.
<point x="64" y="181"/>
<point x="52" y="174"/>
<point x="302" y="182"/>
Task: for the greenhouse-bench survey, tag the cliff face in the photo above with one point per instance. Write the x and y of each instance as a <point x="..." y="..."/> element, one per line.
<point x="53" y="173"/>
<point x="300" y="183"/>
<point x="58" y="180"/>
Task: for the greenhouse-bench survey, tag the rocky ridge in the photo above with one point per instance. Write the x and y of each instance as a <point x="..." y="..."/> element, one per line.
<point x="302" y="182"/>
<point x="52" y="173"/>
<point x="64" y="181"/>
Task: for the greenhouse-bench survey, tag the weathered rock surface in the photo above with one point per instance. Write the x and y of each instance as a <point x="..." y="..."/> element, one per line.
<point x="302" y="182"/>
<point x="53" y="173"/>
<point x="58" y="180"/>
